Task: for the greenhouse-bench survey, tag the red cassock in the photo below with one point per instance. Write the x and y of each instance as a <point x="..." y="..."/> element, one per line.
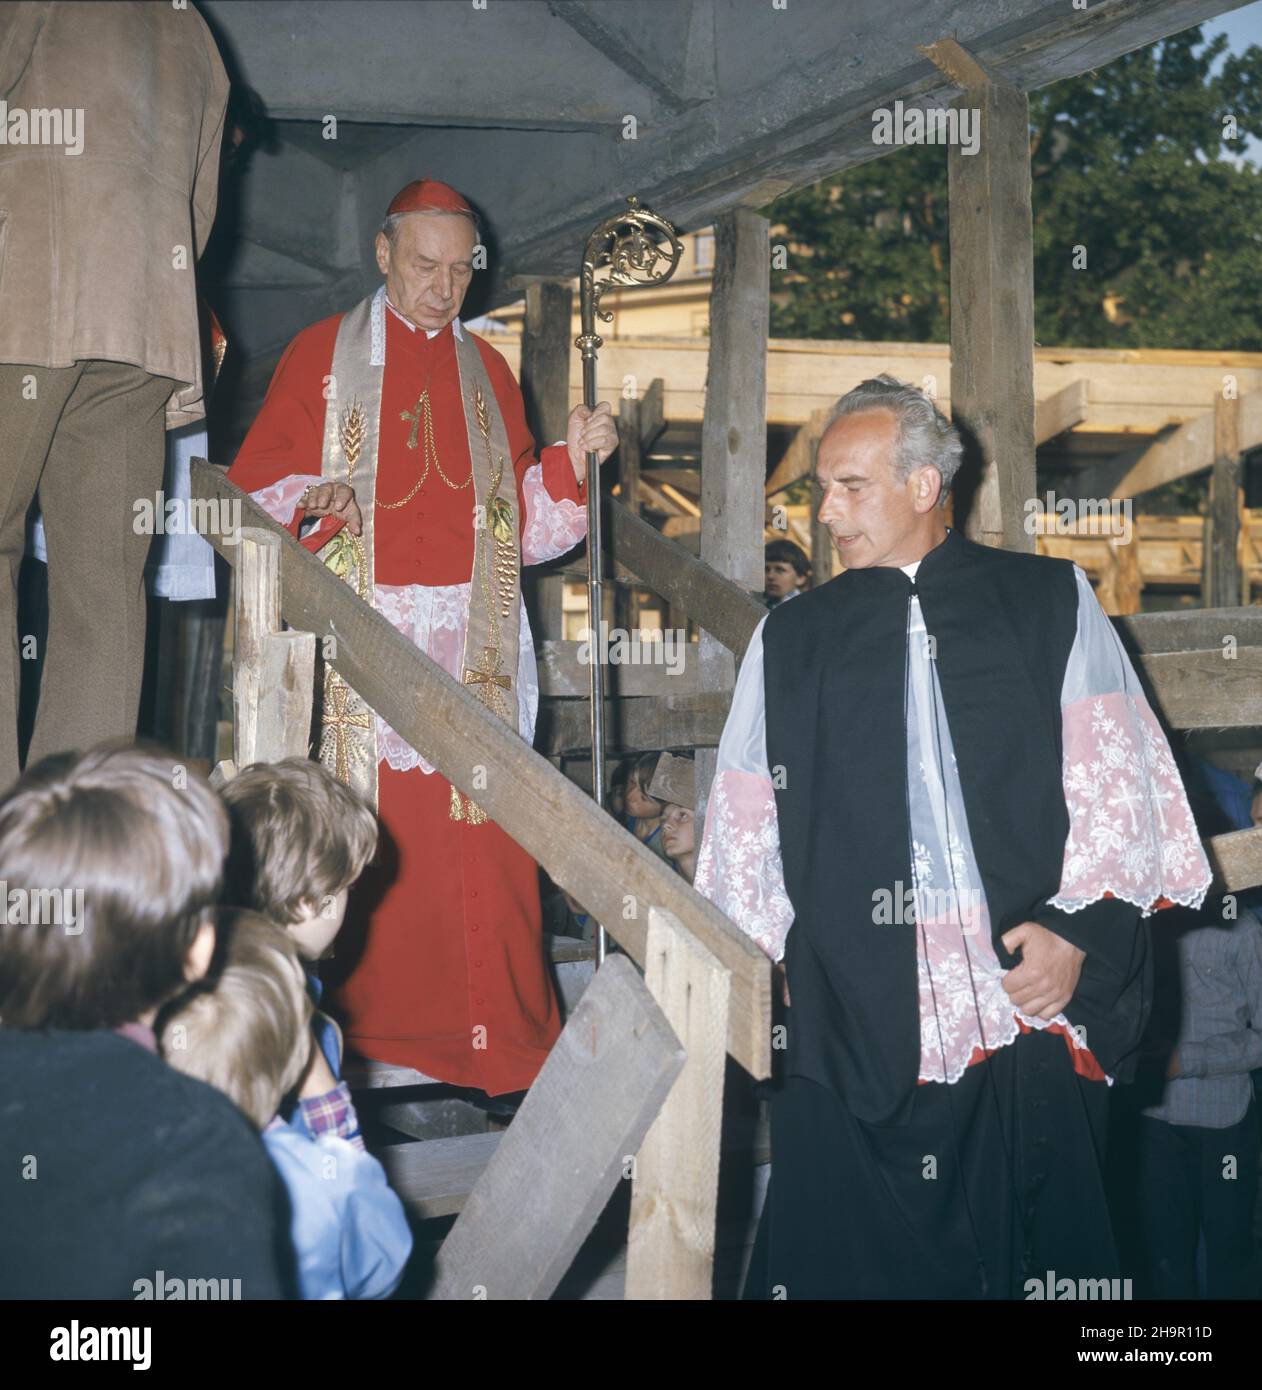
<point x="441" y="963"/>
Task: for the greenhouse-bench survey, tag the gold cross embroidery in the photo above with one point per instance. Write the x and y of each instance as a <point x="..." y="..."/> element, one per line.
<point x="341" y="721"/>
<point x="488" y="679"/>
<point x="415" y="416"/>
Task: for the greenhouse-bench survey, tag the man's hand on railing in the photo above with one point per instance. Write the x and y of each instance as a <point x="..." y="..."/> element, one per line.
<point x="333" y="499"/>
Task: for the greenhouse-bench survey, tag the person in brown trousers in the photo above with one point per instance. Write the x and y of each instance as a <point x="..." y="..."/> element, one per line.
<point x="112" y="117"/>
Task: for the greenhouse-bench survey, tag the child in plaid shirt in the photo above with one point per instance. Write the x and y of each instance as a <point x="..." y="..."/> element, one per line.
<point x="249" y="1035"/>
<point x="300" y="839"/>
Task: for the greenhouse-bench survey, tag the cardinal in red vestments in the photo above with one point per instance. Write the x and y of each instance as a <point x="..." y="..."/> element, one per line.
<point x="382" y="444"/>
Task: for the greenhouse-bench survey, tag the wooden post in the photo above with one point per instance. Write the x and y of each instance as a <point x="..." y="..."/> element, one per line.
<point x="992" y="297"/>
<point x="273" y="672"/>
<point x="626" y="601"/>
<point x="568" y="1147"/>
<point x="670" y="1251"/>
<point x="734" y="433"/>
<point x="547" y="347"/>
<point x="1221" y="557"/>
<point x="822" y="549"/>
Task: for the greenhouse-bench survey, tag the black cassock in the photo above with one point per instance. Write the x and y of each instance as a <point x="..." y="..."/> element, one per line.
<point x="912" y="767"/>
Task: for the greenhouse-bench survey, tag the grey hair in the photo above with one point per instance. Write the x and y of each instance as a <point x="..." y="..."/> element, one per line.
<point x="390" y="227"/>
<point x="926" y="438"/>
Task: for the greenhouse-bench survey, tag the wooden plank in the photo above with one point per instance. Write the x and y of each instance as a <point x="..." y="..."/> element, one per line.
<point x="434" y="1177"/>
<point x="1206" y="689"/>
<point x="720" y="607"/>
<point x="568" y="1147"/>
<point x="643" y="671"/>
<point x="638" y="723"/>
<point x="1236" y="859"/>
<point x="670" y="1248"/>
<point x="1192" y="629"/>
<point x="582" y="848"/>
<point x="1139" y="391"/>
<point x="1222" y="562"/>
<point x="1062" y="411"/>
<point x="992" y="312"/>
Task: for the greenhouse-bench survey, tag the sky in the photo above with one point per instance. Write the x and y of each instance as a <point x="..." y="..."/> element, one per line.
<point x="1242" y="27"/>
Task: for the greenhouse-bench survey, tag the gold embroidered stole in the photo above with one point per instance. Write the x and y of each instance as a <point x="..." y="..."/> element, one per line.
<point x="348" y="744"/>
<point x="493" y="634"/>
<point x="348" y="735"/>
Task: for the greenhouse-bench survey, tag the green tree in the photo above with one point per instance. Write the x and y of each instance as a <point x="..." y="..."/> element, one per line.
<point x="1138" y="164"/>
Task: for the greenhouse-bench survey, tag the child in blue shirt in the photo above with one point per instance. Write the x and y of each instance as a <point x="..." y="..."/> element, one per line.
<point x="248" y="1033"/>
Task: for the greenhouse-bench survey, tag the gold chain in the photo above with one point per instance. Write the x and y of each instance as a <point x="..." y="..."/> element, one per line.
<point x="430" y="453"/>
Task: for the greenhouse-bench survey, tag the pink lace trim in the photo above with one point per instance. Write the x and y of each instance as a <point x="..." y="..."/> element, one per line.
<point x="739" y="866"/>
<point x="280" y="499"/>
<point x="1131" y="831"/>
<point x="552" y="527"/>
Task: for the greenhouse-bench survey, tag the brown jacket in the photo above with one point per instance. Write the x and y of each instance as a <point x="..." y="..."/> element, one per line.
<point x="98" y="248"/>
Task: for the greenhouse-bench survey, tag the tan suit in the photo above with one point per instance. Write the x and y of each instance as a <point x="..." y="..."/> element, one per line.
<point x="98" y="327"/>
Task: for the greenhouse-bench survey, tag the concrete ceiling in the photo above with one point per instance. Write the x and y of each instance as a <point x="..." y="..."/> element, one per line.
<point x="524" y="105"/>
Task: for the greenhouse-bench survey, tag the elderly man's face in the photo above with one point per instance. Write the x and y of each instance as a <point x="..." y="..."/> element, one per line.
<point x="873" y="518"/>
<point x="429" y="267"/>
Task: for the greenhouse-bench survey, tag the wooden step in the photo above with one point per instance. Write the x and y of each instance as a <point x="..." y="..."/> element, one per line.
<point x="433" y="1177"/>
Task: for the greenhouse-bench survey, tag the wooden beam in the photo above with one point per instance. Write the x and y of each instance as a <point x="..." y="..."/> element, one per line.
<point x="582" y="848"/>
<point x="273" y="672"/>
<point x="546" y="349"/>
<point x="568" y="1147"/>
<point x="1236" y="859"/>
<point x="992" y="307"/>
<point x="1061" y="412"/>
<point x="1192" y="629"/>
<point x="717" y="605"/>
<point x="563" y="670"/>
<point x="670" y="1244"/>
<point x="434" y="1177"/>
<point x="1188" y="449"/>
<point x="733" y="437"/>
<point x="546" y="346"/>
<point x="799" y="457"/>
<point x="638" y="724"/>
<point x="1206" y="689"/>
<point x="1221" y="564"/>
<point x="734" y="432"/>
<point x="652" y="414"/>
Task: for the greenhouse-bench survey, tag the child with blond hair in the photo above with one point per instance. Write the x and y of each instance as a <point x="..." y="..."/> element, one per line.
<point x="248" y="1034"/>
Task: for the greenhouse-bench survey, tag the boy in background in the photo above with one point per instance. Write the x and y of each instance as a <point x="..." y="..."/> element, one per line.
<point x="114" y="1166"/>
<point x="785" y="570"/>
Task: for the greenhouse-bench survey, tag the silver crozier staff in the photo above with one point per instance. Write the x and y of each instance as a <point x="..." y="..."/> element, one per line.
<point x="637" y="247"/>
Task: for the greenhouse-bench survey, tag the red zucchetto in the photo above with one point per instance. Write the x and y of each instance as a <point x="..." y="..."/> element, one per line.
<point x="427" y="195"/>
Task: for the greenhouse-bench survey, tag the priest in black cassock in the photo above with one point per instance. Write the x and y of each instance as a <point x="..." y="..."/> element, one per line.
<point x="943" y="802"/>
